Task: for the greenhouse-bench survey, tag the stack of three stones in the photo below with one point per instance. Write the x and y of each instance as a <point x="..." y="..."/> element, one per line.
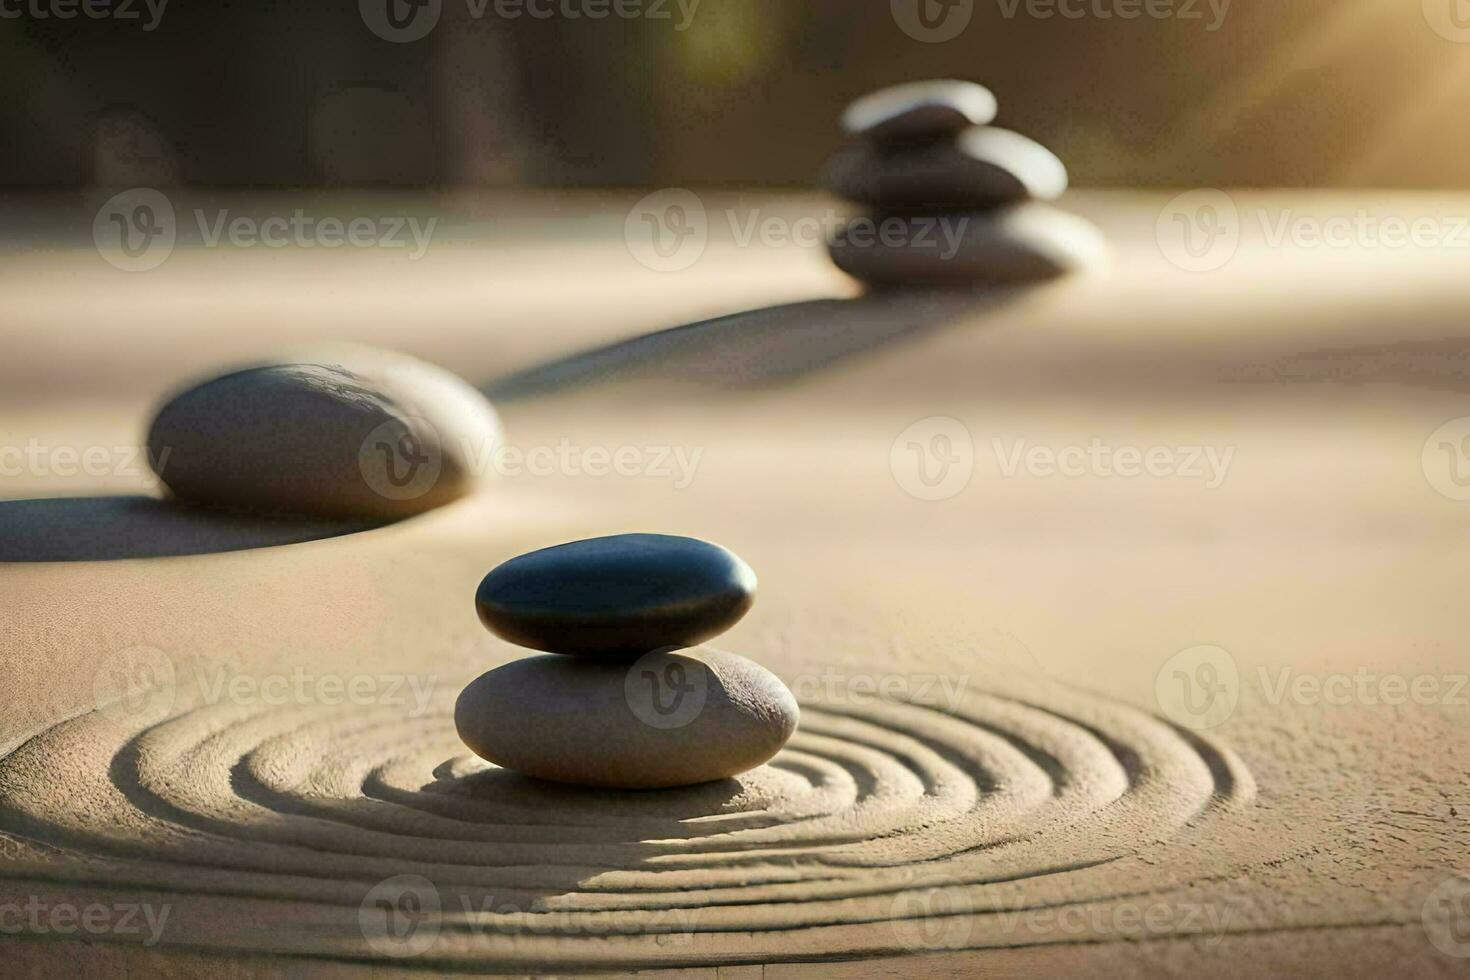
<point x="626" y="698"/>
<point x="950" y="198"/>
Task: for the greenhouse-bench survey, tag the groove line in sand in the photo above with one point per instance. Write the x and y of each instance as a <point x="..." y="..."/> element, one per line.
<point x="1022" y="798"/>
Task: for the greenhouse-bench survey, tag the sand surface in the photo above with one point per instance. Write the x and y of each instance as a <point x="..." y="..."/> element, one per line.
<point x="256" y="735"/>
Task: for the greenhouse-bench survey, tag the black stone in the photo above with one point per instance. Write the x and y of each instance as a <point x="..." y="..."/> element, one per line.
<point x="616" y="596"/>
<point x="982" y="167"/>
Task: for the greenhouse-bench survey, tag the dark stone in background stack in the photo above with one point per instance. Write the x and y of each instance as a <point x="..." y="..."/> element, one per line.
<point x="950" y="198"/>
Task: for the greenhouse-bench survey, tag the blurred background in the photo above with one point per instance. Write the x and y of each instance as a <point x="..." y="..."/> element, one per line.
<point x="655" y="92"/>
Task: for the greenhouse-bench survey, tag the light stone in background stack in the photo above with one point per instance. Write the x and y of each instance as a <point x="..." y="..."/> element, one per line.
<point x="950" y="198"/>
<point x="626" y="699"/>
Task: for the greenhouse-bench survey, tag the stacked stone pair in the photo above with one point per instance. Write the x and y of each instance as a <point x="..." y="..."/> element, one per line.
<point x="626" y="698"/>
<point x="950" y="198"/>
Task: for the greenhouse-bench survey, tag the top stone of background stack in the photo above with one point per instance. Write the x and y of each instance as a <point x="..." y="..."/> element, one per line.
<point x="930" y="145"/>
<point x="923" y="154"/>
<point x="919" y="111"/>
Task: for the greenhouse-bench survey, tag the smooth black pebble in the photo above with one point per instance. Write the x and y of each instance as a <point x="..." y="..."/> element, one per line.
<point x="617" y="596"/>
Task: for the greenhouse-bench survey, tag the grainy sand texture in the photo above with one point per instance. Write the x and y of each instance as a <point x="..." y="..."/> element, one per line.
<point x="1053" y="719"/>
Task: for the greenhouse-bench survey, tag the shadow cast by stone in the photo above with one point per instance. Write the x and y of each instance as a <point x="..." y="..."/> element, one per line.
<point x="116" y="527"/>
<point x="761" y="346"/>
<point x="629" y="815"/>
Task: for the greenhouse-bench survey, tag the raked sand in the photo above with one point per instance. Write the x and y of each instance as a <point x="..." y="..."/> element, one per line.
<point x="256" y="746"/>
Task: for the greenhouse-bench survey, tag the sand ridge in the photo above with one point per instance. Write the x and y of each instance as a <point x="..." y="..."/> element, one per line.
<point x="859" y="822"/>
